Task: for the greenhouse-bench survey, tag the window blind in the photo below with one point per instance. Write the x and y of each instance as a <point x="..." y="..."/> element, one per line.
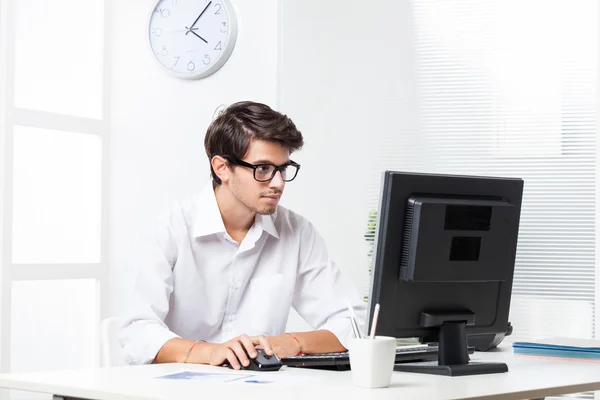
<point x="508" y="88"/>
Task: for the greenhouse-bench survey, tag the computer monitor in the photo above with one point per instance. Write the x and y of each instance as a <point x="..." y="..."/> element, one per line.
<point x="443" y="264"/>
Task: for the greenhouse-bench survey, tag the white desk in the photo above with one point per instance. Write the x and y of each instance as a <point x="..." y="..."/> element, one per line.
<point x="526" y="379"/>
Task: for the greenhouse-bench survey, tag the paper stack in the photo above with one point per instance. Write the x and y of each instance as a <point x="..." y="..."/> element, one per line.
<point x="579" y="349"/>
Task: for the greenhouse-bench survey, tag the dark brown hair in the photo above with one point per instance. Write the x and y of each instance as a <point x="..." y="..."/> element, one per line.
<point x="236" y="127"/>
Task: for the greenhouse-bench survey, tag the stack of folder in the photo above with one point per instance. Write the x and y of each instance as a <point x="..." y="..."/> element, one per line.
<point x="576" y="349"/>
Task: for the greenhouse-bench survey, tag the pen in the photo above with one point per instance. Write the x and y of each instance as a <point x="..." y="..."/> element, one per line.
<point x="374" y="323"/>
<point x="353" y="322"/>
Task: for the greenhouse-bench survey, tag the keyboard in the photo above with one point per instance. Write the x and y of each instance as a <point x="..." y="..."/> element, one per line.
<point x="341" y="361"/>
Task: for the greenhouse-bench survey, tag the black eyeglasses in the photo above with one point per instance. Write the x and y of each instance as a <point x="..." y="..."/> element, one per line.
<point x="266" y="172"/>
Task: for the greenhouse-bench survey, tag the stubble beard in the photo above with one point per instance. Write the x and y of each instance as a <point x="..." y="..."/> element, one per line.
<point x="267" y="210"/>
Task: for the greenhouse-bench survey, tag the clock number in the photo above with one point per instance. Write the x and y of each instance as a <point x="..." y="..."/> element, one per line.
<point x="176" y="61"/>
<point x="157" y="32"/>
<point x="219" y="9"/>
<point x="164" y="12"/>
<point x="218" y="46"/>
<point x="206" y="59"/>
<point x="174" y="2"/>
<point x="164" y="51"/>
<point x="225" y="25"/>
<point x="191" y="66"/>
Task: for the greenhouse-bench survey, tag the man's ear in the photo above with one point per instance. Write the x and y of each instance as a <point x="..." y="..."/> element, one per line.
<point x="221" y="168"/>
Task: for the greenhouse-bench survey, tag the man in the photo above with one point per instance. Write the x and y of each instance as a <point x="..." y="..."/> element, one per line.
<point x="228" y="264"/>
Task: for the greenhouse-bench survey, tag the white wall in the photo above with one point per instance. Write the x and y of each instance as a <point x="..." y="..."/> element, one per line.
<point x="346" y="80"/>
<point x="158" y="122"/>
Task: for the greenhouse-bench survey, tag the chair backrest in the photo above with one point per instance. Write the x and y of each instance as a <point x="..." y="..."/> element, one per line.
<point x="111" y="354"/>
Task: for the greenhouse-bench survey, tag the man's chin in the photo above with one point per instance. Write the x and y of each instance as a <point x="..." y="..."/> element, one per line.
<point x="267" y="211"/>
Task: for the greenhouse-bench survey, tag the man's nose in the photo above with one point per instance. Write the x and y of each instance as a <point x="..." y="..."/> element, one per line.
<point x="277" y="181"/>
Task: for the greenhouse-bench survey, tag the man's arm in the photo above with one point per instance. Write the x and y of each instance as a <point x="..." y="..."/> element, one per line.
<point x="322" y="341"/>
<point x="144" y="330"/>
<point x="175" y="350"/>
<point x="312" y="342"/>
<point x="232" y="351"/>
<point x="286" y="345"/>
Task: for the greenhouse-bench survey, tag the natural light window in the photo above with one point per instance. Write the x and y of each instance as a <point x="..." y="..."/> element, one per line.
<point x="509" y="88"/>
<point x="59" y="56"/>
<point x="57" y="197"/>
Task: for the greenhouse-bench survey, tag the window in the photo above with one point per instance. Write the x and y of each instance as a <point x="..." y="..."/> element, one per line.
<point x="508" y="88"/>
<point x="54" y="132"/>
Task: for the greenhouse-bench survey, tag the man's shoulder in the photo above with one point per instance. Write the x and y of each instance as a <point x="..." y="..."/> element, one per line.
<point x="182" y="206"/>
<point x="181" y="212"/>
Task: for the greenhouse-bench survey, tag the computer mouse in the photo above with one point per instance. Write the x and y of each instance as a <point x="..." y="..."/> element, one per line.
<point x="262" y="362"/>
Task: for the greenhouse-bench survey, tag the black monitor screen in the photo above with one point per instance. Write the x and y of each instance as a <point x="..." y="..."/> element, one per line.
<point x="445" y="248"/>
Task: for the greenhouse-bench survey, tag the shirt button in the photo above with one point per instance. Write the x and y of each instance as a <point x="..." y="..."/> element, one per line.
<point x="231" y="318"/>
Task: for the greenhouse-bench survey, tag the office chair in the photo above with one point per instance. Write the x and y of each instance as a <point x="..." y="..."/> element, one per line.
<point x="111" y="354"/>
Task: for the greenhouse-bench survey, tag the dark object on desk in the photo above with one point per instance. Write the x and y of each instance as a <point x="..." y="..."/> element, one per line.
<point x="488" y="341"/>
<point x="341" y="361"/>
<point x="444" y="263"/>
<point x="262" y="362"/>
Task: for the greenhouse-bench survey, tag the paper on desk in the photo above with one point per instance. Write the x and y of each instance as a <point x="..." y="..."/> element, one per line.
<point x="568" y="342"/>
<point x="564" y="348"/>
<point x="229" y="378"/>
<point x="270" y="379"/>
<point x="205" y="376"/>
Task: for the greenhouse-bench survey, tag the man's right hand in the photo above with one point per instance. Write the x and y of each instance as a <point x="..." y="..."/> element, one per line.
<point x="233" y="352"/>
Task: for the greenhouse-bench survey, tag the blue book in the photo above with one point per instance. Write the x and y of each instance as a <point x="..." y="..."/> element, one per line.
<point x="560" y="347"/>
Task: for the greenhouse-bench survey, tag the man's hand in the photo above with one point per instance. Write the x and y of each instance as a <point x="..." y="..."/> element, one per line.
<point x="233" y="352"/>
<point x="284" y="345"/>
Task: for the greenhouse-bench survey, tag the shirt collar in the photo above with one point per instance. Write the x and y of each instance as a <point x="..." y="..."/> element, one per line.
<point x="267" y="224"/>
<point x="208" y="218"/>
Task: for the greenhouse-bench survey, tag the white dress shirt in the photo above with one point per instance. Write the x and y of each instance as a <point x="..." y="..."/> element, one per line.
<point x="198" y="283"/>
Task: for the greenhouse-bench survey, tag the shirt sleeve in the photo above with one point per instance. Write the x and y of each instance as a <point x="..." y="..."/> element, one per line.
<point x="323" y="291"/>
<point x="144" y="331"/>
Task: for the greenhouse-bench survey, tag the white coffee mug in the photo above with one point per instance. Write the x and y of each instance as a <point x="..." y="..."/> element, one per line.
<point x="372" y="361"/>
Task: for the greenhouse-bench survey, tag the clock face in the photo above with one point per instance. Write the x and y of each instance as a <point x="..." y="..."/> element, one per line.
<point x="192" y="38"/>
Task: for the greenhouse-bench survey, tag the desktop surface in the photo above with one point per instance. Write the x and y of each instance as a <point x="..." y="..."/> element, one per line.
<point x="526" y="379"/>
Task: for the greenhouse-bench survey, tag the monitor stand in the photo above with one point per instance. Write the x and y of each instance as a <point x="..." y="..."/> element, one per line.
<point x="453" y="353"/>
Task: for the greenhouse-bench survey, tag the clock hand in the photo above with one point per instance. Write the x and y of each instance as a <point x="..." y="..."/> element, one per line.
<point x="199" y="36"/>
<point x="205" y="8"/>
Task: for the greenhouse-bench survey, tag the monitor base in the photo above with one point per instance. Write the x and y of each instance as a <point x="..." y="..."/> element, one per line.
<point x="472" y="368"/>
